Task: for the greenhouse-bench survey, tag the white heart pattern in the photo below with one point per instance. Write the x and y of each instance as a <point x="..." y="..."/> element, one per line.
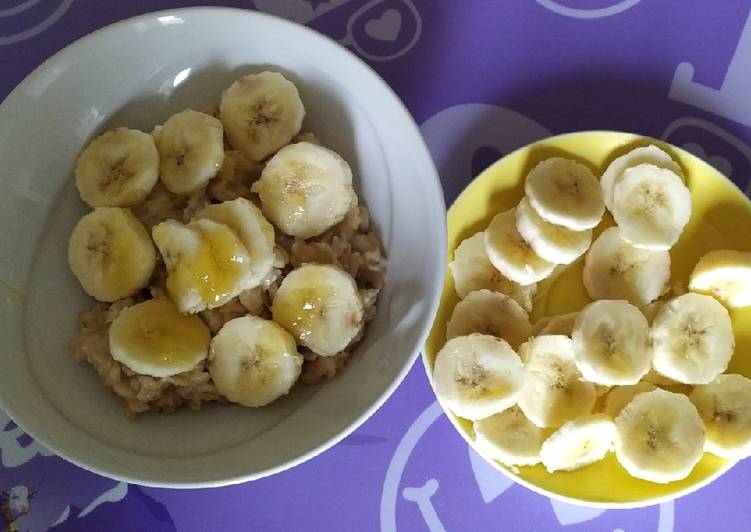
<point x="385" y="28"/>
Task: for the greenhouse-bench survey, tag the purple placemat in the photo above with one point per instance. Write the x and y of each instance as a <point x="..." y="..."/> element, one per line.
<point x="482" y="77"/>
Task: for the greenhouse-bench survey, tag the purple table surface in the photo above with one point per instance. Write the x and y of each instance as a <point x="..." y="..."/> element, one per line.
<point x="481" y="78"/>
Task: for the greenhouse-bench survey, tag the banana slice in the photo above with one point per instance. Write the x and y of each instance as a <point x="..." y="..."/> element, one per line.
<point x="578" y="443"/>
<point x="117" y="169"/>
<point x="111" y="254"/>
<point x="305" y="189"/>
<point x="472" y="270"/>
<point x="486" y="312"/>
<point x="551" y="242"/>
<point x="511" y="254"/>
<point x="207" y="264"/>
<point x="614" y="269"/>
<point x="153" y="338"/>
<point x="724" y="274"/>
<point x="554" y="391"/>
<point x="261" y="113"/>
<point x="566" y="193"/>
<point x="651" y="205"/>
<point x="620" y="396"/>
<point x="692" y="339"/>
<point x="509" y="437"/>
<point x="254" y="231"/>
<point x="477" y="375"/>
<point x="254" y="361"/>
<point x="321" y="307"/>
<point x="659" y="436"/>
<point x="647" y="154"/>
<point x="611" y="343"/>
<point x="563" y="324"/>
<point x="191" y="151"/>
<point x="725" y="407"/>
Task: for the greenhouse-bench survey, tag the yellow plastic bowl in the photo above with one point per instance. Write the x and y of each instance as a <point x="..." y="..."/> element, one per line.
<point x="721" y="218"/>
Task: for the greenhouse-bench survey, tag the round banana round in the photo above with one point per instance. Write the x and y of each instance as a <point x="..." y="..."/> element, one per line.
<point x="255" y="232"/>
<point x="659" y="436"/>
<point x="725" y="407"/>
<point x="646" y="154"/>
<point x="191" y="151"/>
<point x="111" y="254"/>
<point x="509" y="437"/>
<point x="564" y="192"/>
<point x="511" y="254"/>
<point x="651" y="205"/>
<point x="578" y="443"/>
<point x="321" y="307"/>
<point x="551" y="242"/>
<point x="614" y="269"/>
<point x="724" y="274"/>
<point x="117" y="169"/>
<point x="620" y="396"/>
<point x="305" y="189"/>
<point x="254" y="361"/>
<point x="154" y="338"/>
<point x="472" y="270"/>
<point x="692" y="339"/>
<point x="487" y="312"/>
<point x="261" y="113"/>
<point x="477" y="375"/>
<point x="207" y="263"/>
<point x="611" y="343"/>
<point x="554" y="391"/>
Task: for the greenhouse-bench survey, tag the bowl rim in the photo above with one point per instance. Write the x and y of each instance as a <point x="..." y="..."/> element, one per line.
<point x="438" y="199"/>
<point x="453" y="418"/>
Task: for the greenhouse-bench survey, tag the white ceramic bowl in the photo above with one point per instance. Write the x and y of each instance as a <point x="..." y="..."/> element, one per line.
<point x="137" y="73"/>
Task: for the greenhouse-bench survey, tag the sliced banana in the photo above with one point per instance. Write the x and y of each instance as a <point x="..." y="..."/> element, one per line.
<point x="724" y="274"/>
<point x="566" y="193"/>
<point x="659" y="436"/>
<point x="563" y="324"/>
<point x="692" y="339"/>
<point x="191" y="151"/>
<point x="614" y="269"/>
<point x="509" y="437"/>
<point x="117" y="169"/>
<point x="487" y="312"/>
<point x="254" y="361"/>
<point x="725" y="407"/>
<point x="511" y="254"/>
<point x="651" y="205"/>
<point x="620" y="396"/>
<point x="477" y="375"/>
<point x="551" y="242"/>
<point x="153" y="338"/>
<point x="553" y="391"/>
<point x="111" y="254"/>
<point x="305" y="189"/>
<point x="207" y="263"/>
<point x="646" y="154"/>
<point x="578" y="443"/>
<point x="472" y="270"/>
<point x="254" y="231"/>
<point x="611" y="343"/>
<point x="261" y="113"/>
<point x="321" y="307"/>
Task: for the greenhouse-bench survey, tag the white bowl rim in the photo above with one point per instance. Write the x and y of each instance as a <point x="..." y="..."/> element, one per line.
<point x="431" y="308"/>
